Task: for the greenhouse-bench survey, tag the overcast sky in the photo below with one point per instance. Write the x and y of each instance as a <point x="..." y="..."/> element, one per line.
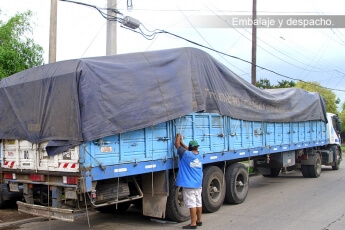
<point x="309" y="54"/>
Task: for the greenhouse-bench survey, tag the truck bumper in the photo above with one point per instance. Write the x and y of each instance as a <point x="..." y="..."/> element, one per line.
<point x="48" y="212"/>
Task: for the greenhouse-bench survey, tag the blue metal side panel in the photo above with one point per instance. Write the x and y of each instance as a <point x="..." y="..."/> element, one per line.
<point x="158" y="139"/>
<point x="307" y="131"/>
<point x="295" y="132"/>
<point x="301" y="131"/>
<point x="319" y="134"/>
<point x="220" y="138"/>
<point x="323" y="130"/>
<point x="133" y="146"/>
<point x="314" y="130"/>
<point x="258" y="133"/>
<point x="278" y="133"/>
<point x="247" y="134"/>
<point x="287" y="133"/>
<point x="141" y="145"/>
<point x="106" y="150"/>
<point x="208" y="129"/>
<point x="146" y="144"/>
<point x="218" y="141"/>
<point x="270" y="134"/>
<point x="235" y="132"/>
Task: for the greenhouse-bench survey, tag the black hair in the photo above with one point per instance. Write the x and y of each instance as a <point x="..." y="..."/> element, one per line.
<point x="190" y="148"/>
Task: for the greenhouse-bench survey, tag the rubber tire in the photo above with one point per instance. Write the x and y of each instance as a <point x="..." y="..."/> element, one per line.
<point x="305" y="171"/>
<point x="338" y="154"/>
<point x="175" y="210"/>
<point x="235" y="193"/>
<point x="315" y="170"/>
<point x="212" y="199"/>
<point x="121" y="208"/>
<point x="2" y="202"/>
<point x="138" y="203"/>
<point x="274" y="173"/>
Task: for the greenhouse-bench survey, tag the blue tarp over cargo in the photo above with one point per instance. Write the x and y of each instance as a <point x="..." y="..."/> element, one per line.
<point x="73" y="101"/>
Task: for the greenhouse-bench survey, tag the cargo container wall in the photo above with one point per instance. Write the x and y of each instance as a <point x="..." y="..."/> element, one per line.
<point x="24" y="155"/>
<point x="18" y="154"/>
<point x="121" y="153"/>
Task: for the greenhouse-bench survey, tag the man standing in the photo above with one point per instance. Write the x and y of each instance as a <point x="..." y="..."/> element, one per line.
<point x="189" y="177"/>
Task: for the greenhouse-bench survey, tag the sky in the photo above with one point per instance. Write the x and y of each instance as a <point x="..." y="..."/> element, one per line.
<point x="309" y="54"/>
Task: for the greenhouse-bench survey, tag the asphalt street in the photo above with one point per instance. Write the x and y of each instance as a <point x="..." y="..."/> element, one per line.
<point x="287" y="202"/>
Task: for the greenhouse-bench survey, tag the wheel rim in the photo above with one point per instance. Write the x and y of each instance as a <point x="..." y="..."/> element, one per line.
<point x="318" y="166"/>
<point x="240" y="183"/>
<point x="338" y="156"/>
<point x="214" y="189"/>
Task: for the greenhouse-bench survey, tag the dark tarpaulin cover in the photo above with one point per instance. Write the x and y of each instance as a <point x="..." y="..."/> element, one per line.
<point x="74" y="101"/>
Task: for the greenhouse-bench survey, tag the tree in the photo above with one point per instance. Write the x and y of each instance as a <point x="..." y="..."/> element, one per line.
<point x="342" y="116"/>
<point x="17" y="51"/>
<point x="328" y="95"/>
<point x="285" y="84"/>
<point x="264" y="84"/>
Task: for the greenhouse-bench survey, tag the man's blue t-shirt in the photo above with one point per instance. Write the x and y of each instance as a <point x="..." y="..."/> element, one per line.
<point x="190" y="171"/>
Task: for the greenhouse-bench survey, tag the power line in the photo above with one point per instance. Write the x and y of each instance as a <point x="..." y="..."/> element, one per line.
<point x="303" y="68"/>
<point x="155" y="32"/>
<point x="208" y="42"/>
<point x="228" y="11"/>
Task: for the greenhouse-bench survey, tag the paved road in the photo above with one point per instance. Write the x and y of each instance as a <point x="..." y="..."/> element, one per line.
<point x="287" y="202"/>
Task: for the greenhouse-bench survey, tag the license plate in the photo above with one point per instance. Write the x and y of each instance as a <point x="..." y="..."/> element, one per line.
<point x="14" y="187"/>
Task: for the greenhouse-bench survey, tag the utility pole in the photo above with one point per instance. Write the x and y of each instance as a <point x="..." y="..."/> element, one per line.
<point x="111" y="30"/>
<point x="52" y="31"/>
<point x="254" y="45"/>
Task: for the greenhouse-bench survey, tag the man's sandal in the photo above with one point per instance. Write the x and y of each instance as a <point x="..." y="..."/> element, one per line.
<point x="189" y="227"/>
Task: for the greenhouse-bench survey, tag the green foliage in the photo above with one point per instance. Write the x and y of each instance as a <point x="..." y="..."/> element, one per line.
<point x="342" y="117"/>
<point x="17" y="51"/>
<point x="266" y="84"/>
<point x="285" y="84"/>
<point x="328" y="95"/>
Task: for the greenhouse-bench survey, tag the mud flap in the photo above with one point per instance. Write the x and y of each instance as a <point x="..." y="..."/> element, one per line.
<point x="155" y="189"/>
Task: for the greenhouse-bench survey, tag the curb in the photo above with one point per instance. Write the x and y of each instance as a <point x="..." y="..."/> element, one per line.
<point x="20" y="222"/>
<point x="38" y="219"/>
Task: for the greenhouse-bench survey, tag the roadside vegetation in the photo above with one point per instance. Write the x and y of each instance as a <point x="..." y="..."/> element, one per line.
<point x="18" y="51"/>
<point x="332" y="102"/>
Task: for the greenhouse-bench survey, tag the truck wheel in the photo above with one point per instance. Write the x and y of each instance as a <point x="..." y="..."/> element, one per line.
<point x="237" y="183"/>
<point x="339" y="158"/>
<point x="213" y="189"/>
<point x="305" y="170"/>
<point x="2" y="202"/>
<point x="315" y="170"/>
<point x="175" y="209"/>
<point x="274" y="172"/>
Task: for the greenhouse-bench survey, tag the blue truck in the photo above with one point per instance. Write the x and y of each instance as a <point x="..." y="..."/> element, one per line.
<point x="99" y="133"/>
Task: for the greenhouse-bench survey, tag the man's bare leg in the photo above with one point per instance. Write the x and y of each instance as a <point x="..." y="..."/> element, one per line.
<point x="193" y="212"/>
<point x="198" y="214"/>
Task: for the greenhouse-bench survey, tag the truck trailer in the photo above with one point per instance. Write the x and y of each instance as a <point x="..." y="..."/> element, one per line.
<point x="99" y="133"/>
